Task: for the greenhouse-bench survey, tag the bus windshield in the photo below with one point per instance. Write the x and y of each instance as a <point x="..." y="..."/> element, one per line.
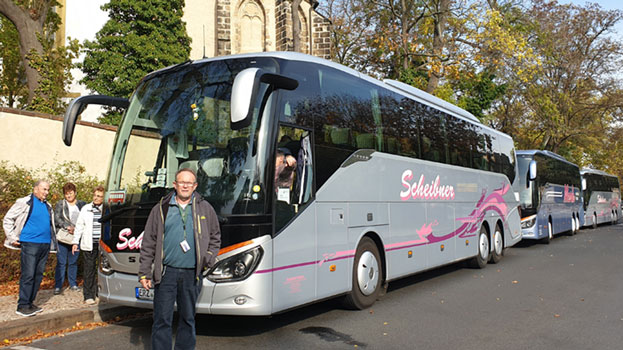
<point x="525" y="185"/>
<point x="181" y="119"/>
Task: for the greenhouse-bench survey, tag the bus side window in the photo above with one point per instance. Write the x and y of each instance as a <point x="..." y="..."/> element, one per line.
<point x="434" y="144"/>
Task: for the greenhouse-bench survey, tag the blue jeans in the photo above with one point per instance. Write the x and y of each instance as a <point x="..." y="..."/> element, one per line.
<point x="33" y="257"/>
<point x="181" y="286"/>
<point x="65" y="260"/>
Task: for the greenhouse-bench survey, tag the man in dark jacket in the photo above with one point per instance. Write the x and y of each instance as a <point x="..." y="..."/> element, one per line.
<point x="181" y="240"/>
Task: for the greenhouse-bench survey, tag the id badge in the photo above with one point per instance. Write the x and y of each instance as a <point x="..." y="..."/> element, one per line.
<point x="185" y="246"/>
<point x="283" y="194"/>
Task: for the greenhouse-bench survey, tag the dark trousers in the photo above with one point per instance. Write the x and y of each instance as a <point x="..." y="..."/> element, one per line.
<point x="181" y="286"/>
<point x="33" y="257"/>
<point x="89" y="289"/>
<point x="65" y="260"/>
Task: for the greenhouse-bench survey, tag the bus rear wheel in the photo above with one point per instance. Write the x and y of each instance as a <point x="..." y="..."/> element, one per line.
<point x="367" y="276"/>
<point x="481" y="259"/>
<point x="498" y="245"/>
<point x="594" y="221"/>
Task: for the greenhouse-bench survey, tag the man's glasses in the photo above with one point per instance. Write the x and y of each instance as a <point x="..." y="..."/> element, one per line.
<point x="184" y="183"/>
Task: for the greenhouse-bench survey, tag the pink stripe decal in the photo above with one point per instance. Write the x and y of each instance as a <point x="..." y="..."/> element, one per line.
<point x="469" y="228"/>
<point x="470" y="225"/>
<point x="319" y="262"/>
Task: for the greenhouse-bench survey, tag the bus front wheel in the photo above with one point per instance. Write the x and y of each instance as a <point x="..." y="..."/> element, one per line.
<point x="367" y="276"/>
<point x="550" y="233"/>
<point x="594" y="221"/>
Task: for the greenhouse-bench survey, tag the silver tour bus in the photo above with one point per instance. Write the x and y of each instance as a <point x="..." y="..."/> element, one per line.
<point x="549" y="189"/>
<point x="389" y="181"/>
<point x="602" y="197"/>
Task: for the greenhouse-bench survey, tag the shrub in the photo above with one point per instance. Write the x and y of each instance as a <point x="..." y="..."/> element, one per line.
<point x="17" y="182"/>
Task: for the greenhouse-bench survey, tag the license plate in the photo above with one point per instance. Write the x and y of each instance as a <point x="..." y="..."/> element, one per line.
<point x="144" y="294"/>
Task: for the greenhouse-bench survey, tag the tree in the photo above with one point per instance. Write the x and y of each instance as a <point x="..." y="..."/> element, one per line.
<point x="139" y="37"/>
<point x="350" y="28"/>
<point x="574" y="95"/>
<point x="46" y="68"/>
<point x="12" y="76"/>
<point x="30" y="18"/>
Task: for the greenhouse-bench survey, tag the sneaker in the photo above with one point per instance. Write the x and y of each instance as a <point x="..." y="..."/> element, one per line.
<point x="74" y="288"/>
<point x="89" y="301"/>
<point x="35" y="308"/>
<point x="25" y="311"/>
<point x="57" y="291"/>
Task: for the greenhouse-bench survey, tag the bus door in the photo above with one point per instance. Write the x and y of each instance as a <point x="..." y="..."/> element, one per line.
<point x="294" y="244"/>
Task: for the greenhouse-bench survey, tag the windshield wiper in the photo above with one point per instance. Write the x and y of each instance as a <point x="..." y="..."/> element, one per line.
<point x="112" y="214"/>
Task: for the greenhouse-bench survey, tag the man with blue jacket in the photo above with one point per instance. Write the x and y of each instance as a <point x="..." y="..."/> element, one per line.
<point x="29" y="226"/>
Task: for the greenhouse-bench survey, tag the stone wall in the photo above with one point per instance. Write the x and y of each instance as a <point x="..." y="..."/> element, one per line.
<point x="33" y="140"/>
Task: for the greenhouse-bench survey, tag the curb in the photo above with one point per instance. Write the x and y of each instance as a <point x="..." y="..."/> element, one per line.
<point x="59" y="320"/>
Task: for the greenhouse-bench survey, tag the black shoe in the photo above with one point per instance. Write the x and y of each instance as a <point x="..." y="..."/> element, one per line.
<point x="57" y="291"/>
<point x="25" y="311"/>
<point x="35" y="308"/>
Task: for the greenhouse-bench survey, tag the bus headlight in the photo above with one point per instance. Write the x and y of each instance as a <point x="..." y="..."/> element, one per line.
<point x="237" y="267"/>
<point x="105" y="267"/>
<point x="528" y="222"/>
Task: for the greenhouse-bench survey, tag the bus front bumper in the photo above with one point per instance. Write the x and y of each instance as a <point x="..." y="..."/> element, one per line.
<point x="250" y="297"/>
<point x="533" y="232"/>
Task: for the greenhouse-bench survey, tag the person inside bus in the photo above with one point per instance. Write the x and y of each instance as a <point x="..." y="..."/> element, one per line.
<point x="285" y="168"/>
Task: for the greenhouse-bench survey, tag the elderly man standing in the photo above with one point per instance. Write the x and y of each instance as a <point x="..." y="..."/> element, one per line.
<point x="182" y="239"/>
<point x="29" y="225"/>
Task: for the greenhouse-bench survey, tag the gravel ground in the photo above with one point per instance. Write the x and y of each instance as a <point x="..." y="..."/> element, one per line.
<point x="46" y="300"/>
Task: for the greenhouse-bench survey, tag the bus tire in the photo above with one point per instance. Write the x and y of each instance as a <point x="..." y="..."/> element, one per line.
<point x="498" y="245"/>
<point x="594" y="226"/>
<point x="367" y="276"/>
<point x="550" y="232"/>
<point x="482" y="257"/>
<point x="573" y="227"/>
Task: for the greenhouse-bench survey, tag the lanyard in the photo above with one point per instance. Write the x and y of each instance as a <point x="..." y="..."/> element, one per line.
<point x="183" y="215"/>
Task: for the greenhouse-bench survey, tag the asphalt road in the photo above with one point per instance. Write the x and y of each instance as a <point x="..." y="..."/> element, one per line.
<point x="565" y="295"/>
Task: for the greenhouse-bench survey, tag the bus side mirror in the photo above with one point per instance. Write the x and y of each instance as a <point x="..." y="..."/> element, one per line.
<point x="245" y="91"/>
<point x="532" y="170"/>
<point x="78" y="105"/>
<point x="583" y="184"/>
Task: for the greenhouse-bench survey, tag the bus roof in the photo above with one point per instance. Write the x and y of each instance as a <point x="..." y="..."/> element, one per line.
<point x="393" y="85"/>
<point x="532" y="152"/>
<point x="595" y="171"/>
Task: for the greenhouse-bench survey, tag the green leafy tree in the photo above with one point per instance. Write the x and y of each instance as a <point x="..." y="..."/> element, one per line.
<point x="479" y="93"/>
<point x="12" y="74"/>
<point x="45" y="67"/>
<point x="139" y="37"/>
<point x="54" y="67"/>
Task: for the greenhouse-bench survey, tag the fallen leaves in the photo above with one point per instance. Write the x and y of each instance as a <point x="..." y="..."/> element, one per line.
<point x="61" y="333"/>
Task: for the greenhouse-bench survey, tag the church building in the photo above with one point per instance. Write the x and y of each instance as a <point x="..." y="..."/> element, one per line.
<point x="225" y="27"/>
